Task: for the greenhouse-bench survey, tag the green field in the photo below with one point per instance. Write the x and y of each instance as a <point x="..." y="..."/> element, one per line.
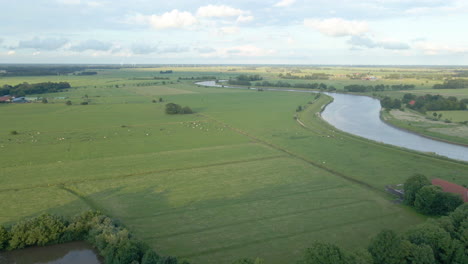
<point x="239" y="178"/>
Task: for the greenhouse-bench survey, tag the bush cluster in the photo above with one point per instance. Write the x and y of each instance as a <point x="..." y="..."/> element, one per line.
<point x="173" y="109"/>
<point x="113" y="241"/>
<point x="427" y="198"/>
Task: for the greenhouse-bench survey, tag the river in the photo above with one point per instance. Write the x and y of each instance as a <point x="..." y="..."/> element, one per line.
<point x="360" y="115"/>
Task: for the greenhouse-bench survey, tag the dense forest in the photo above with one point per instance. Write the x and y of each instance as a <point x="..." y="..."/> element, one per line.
<point x="23" y="89"/>
<point x="44" y="70"/>
<point x="433" y="102"/>
<point x="452" y="84"/>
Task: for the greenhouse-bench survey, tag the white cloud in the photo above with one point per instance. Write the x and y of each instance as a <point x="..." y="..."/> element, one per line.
<point x="338" y="27"/>
<point x="69" y="2"/>
<point x="364" y="41"/>
<point x="284" y="3"/>
<point x="11" y="52"/>
<point x="219" y="11"/>
<point x="229" y="30"/>
<point x="172" y="19"/>
<point x="244" y="19"/>
<point x="249" y="51"/>
<point x="42" y="43"/>
<point x="92" y="44"/>
<point x="435" y="49"/>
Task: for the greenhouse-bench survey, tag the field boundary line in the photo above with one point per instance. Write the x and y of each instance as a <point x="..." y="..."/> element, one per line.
<point x="294" y="155"/>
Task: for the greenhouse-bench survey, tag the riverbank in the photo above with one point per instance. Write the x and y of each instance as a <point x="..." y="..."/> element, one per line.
<point x="454" y="133"/>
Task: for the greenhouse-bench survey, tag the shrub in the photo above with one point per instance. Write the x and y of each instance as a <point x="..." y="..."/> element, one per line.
<point x="68" y="102"/>
<point x="84" y="103"/>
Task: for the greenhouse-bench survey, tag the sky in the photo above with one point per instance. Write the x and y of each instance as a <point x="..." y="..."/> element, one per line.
<point x="351" y="32"/>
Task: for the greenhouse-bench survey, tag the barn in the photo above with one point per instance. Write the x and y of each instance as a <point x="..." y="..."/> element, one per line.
<point x="452" y="188"/>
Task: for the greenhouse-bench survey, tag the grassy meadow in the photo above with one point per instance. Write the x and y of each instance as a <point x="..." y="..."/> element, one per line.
<point x="238" y="178"/>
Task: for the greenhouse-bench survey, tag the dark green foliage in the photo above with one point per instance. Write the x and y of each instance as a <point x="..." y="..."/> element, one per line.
<point x="388" y="103"/>
<point x="44" y="100"/>
<point x="325" y="253"/>
<point x="168" y="260"/>
<point x="23" y="89"/>
<point x="313" y="76"/>
<point x="150" y="257"/>
<point x="4" y="237"/>
<point x="452" y="84"/>
<point x="431" y="200"/>
<point x="68" y="102"/>
<point x="172" y="109"/>
<point x="249" y="261"/>
<point x="435" y="237"/>
<point x="387" y="247"/>
<point x="42" y="230"/>
<point x="186" y="110"/>
<point x="412" y="185"/>
<point x="420" y="254"/>
<point x="434" y="103"/>
<point x="84" y="103"/>
<point x="426" y="199"/>
<point x="357" y="88"/>
<point x="14" y="132"/>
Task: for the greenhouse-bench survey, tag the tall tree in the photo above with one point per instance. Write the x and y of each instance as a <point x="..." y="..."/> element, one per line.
<point x="387" y="247"/>
<point x="412" y="185"/>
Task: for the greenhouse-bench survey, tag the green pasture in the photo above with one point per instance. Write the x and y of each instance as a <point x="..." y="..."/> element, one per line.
<point x="454" y="116"/>
<point x="239" y="178"/>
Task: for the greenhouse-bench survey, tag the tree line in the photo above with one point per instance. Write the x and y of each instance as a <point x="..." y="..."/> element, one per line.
<point x="313" y="76"/>
<point x="198" y="78"/>
<point x="113" y="241"/>
<point x="452" y="84"/>
<point x="25" y="88"/>
<point x="358" y="88"/>
<point x="430" y="102"/>
<point x="245" y="79"/>
<point x="15" y="70"/>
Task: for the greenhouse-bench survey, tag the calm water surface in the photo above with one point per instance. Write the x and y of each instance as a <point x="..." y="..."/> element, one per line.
<point x="360" y="115"/>
<point x="68" y="253"/>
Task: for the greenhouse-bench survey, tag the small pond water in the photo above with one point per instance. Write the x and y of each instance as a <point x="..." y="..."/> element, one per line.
<point x="68" y="253"/>
<point x="360" y="115"/>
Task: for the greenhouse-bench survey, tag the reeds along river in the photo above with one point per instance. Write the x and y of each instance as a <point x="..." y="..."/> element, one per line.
<point x="360" y="115"/>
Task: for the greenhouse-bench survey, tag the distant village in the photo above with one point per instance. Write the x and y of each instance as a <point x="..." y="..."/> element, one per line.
<point x="24" y="99"/>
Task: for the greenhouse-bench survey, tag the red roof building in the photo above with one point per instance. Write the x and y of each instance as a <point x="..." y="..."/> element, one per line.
<point x="5" y="98"/>
<point x="452" y="188"/>
<point x="412" y="102"/>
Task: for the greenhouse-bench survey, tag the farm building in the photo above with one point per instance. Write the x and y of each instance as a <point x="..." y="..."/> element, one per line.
<point x="452" y="188"/>
<point x="5" y="99"/>
<point x="20" y="100"/>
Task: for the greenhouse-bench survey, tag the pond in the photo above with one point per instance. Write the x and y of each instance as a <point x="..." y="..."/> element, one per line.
<point x="68" y="253"/>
